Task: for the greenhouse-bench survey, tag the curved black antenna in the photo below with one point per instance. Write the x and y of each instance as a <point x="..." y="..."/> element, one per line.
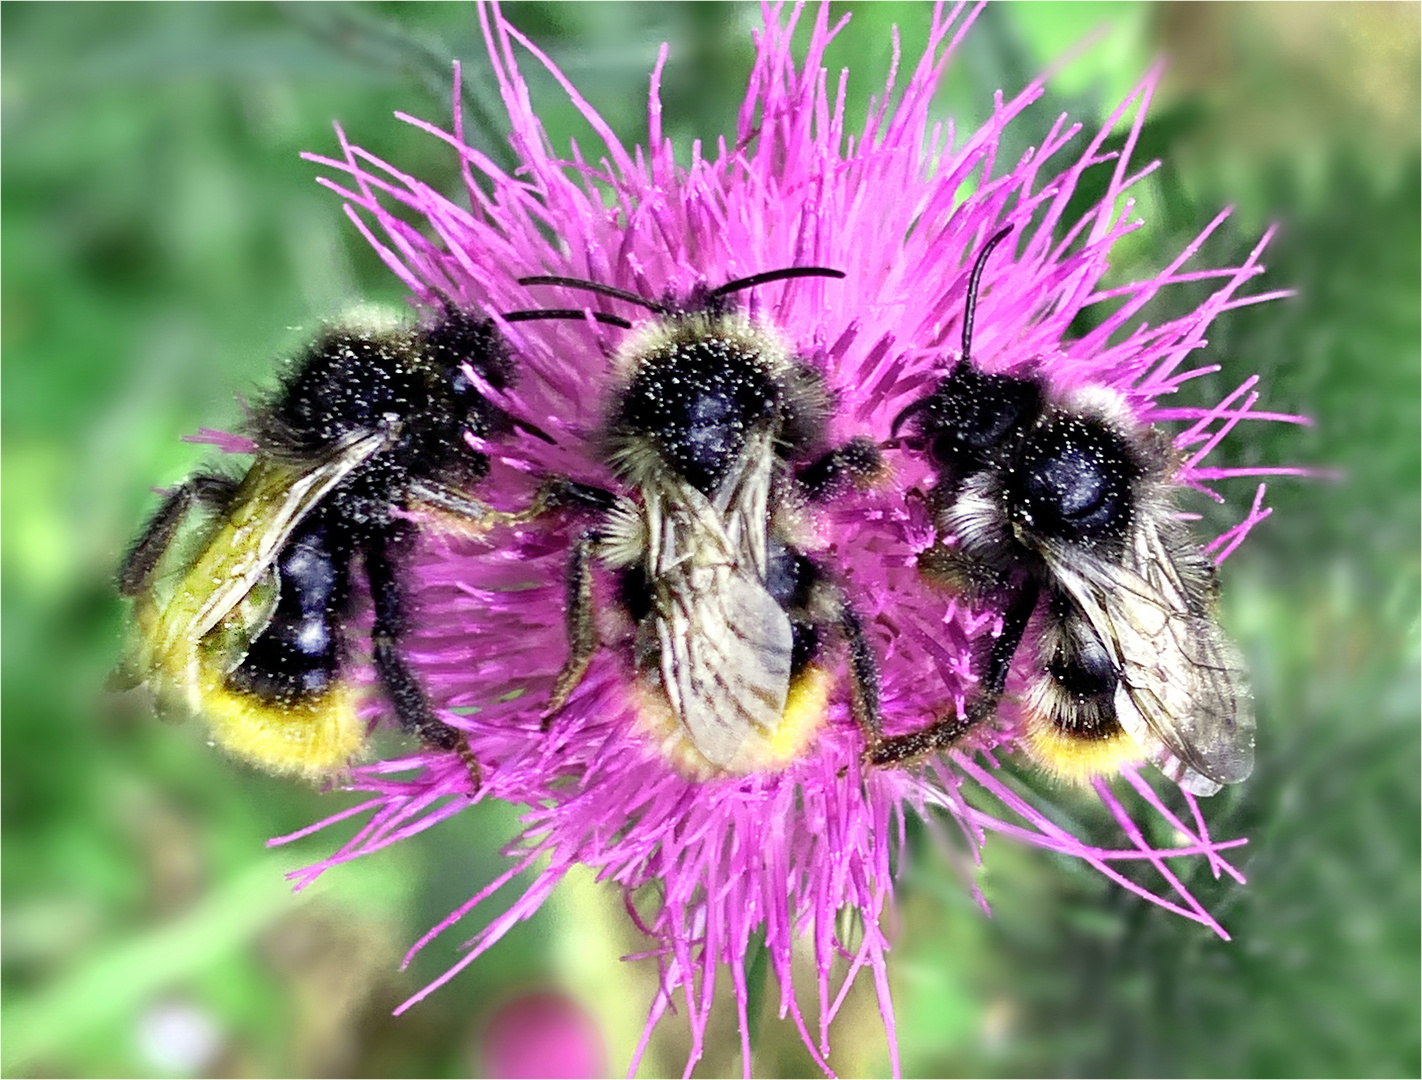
<point x="776" y="275"/>
<point x="593" y="286"/>
<point x="533" y="429"/>
<point x="565" y="313"/>
<point x="906" y="412"/>
<point x="973" y="279"/>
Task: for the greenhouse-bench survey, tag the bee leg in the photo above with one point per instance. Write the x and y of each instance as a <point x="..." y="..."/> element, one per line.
<point x="412" y="707"/>
<point x="561" y="493"/>
<point x="945" y="732"/>
<point x="552" y="494"/>
<point x="201" y="490"/>
<point x="864" y="676"/>
<point x="937" y="736"/>
<point x="558" y="492"/>
<point x="582" y="630"/>
<point x="858" y="462"/>
<point x="480" y="516"/>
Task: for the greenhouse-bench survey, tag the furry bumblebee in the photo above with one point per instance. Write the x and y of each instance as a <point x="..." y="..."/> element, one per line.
<point x="241" y="587"/>
<point x="1060" y="509"/>
<point x="713" y="429"/>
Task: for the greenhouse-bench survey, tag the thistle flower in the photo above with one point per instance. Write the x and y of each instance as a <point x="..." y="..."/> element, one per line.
<point x="762" y="861"/>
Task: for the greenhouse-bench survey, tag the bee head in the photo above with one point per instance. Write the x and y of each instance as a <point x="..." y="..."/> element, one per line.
<point x="458" y="338"/>
<point x="1073" y="482"/>
<point x="972" y="415"/>
<point x="695" y="397"/>
<point x="698" y="379"/>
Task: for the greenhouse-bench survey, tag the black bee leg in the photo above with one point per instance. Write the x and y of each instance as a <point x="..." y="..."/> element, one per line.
<point x="937" y="736"/>
<point x="864" y="676"/>
<point x="945" y="732"/>
<point x="1004" y="646"/>
<point x="858" y="462"/>
<point x="582" y="629"/>
<point x="202" y="490"/>
<point x="407" y="697"/>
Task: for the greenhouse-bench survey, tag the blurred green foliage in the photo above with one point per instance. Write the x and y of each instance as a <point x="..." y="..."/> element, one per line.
<point x="163" y="241"/>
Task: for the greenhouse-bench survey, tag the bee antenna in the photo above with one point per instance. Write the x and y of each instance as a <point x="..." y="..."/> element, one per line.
<point x="776" y="275"/>
<point x="533" y="429"/>
<point x="595" y="287"/>
<point x="565" y="313"/>
<point x="906" y="413"/>
<point x="973" y="280"/>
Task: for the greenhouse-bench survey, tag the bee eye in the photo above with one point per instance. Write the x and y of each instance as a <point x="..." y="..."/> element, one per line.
<point x="944" y="450"/>
<point x="976" y="431"/>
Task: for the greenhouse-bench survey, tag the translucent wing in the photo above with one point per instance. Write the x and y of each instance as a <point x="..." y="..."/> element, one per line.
<point x="219" y="589"/>
<point x="725" y="662"/>
<point x="272" y="501"/>
<point x="723" y="642"/>
<point x="1183" y="692"/>
<point x="743" y="504"/>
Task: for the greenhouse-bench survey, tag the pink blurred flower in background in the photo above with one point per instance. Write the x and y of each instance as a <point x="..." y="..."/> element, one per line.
<point x="713" y="871"/>
<point x="542" y="1035"/>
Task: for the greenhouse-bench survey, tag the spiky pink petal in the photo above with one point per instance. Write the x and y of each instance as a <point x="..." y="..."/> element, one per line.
<point x="777" y="856"/>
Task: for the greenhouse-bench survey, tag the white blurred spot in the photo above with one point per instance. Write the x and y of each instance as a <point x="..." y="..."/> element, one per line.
<point x="179" y="1037"/>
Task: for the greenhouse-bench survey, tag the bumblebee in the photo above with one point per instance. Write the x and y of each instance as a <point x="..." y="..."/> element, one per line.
<point x="715" y="430"/>
<point x="1058" y="511"/>
<point x="242" y="588"/>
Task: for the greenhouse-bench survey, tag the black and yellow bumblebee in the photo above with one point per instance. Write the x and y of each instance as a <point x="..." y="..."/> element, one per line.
<point x="1056" y="508"/>
<point x="715" y="430"/>
<point x="242" y="586"/>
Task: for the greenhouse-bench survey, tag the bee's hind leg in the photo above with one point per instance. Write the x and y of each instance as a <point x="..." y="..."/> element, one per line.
<point x="582" y="627"/>
<point x="201" y="490"/>
<point x="407" y="697"/>
<point x="939" y="735"/>
<point x="554" y="493"/>
<point x="817" y="601"/>
<point x="945" y="732"/>
<point x="476" y="516"/>
<point x="858" y="463"/>
<point x="559" y="492"/>
<point x="863" y="673"/>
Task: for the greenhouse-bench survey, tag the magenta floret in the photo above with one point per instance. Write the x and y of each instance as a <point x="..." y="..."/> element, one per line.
<point x="776" y="857"/>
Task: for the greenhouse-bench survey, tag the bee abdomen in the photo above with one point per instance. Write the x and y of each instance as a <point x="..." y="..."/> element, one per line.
<point x="1079" y="662"/>
<point x="1078" y="681"/>
<point x="1070" y="708"/>
<point x="806" y="644"/>
<point x="299" y="654"/>
<point x="791" y="578"/>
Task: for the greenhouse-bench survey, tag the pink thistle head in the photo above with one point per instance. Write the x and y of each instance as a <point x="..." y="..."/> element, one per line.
<point x="716" y="868"/>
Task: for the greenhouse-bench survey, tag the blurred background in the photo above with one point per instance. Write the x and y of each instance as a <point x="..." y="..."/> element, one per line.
<point x="162" y="243"/>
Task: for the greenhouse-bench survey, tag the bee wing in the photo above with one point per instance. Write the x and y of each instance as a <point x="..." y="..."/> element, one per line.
<point x="228" y="643"/>
<point x="743" y="502"/>
<point x="1183" y="693"/>
<point x="725" y="643"/>
<point x="272" y="501"/>
<point x="725" y="660"/>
